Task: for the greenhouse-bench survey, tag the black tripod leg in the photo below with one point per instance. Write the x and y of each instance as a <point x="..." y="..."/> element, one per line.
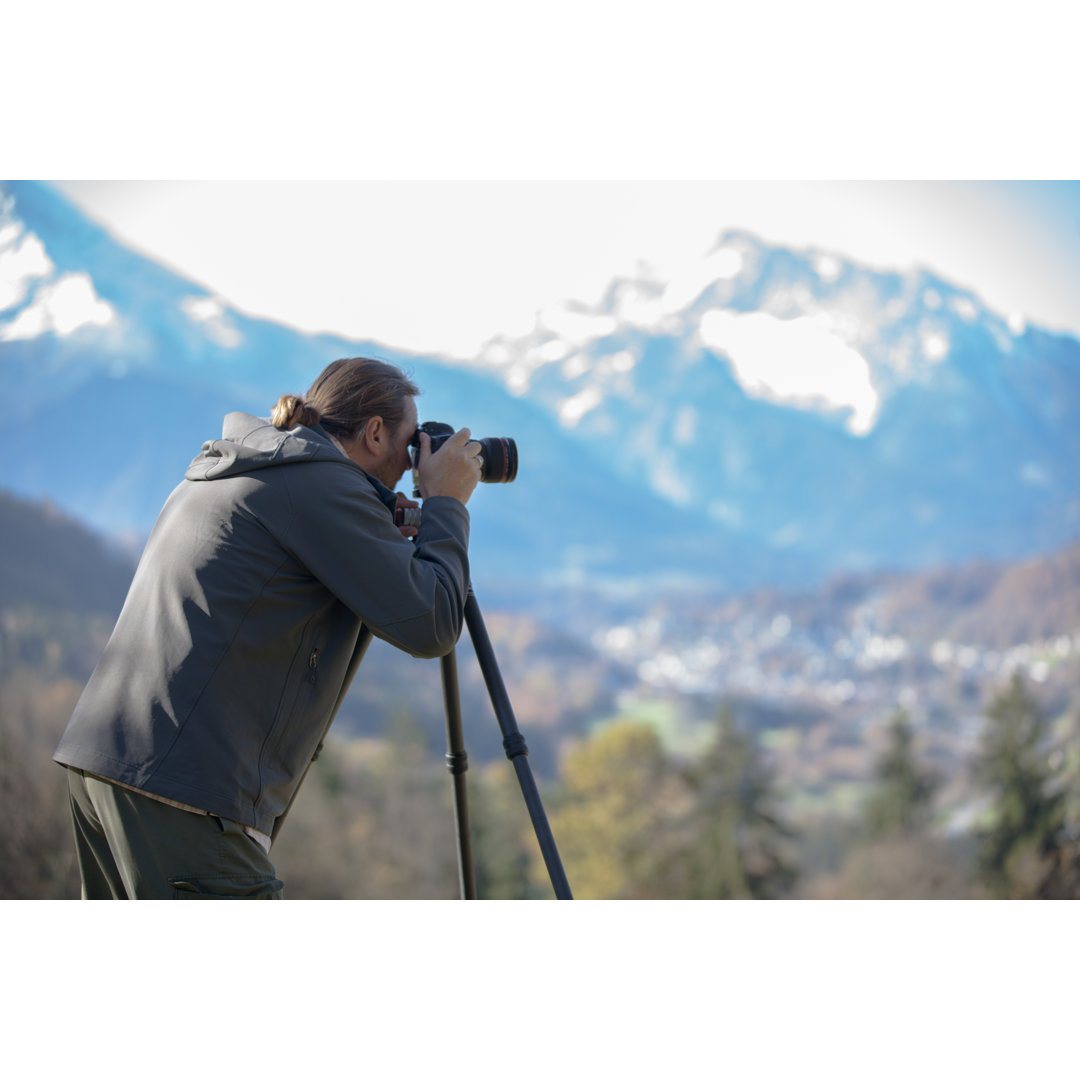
<point x="514" y="745"/>
<point x="457" y="762"/>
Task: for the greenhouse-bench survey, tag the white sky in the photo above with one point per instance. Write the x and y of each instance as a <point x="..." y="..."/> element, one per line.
<point x="444" y="266"/>
<point x="504" y="157"/>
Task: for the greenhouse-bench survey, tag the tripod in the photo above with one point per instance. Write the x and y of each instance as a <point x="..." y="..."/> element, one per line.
<point x="457" y="759"/>
<point x="514" y="746"/>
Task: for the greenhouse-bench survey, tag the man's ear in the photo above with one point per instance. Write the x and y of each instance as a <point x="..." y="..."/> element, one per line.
<point x="374" y="434"/>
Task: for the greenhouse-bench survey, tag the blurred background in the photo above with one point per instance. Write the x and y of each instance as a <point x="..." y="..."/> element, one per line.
<point x="786" y="594"/>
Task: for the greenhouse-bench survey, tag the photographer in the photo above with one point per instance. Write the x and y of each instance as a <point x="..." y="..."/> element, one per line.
<point x="242" y="629"/>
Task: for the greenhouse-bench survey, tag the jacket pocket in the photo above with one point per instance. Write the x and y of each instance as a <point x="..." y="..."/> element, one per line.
<point x="287" y="746"/>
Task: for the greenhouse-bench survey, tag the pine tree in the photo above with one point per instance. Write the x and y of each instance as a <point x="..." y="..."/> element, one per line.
<point x="896" y="856"/>
<point x="736" y="845"/>
<point x="902" y="800"/>
<point x="1025" y="852"/>
<point x="503" y="839"/>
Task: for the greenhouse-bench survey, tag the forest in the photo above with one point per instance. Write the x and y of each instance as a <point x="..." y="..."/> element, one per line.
<point x="631" y="819"/>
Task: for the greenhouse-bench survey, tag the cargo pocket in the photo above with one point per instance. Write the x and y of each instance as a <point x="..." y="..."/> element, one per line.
<point x="228" y="887"/>
<point x="235" y="867"/>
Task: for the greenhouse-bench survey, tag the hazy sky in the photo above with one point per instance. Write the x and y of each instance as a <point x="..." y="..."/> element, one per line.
<point x="490" y="142"/>
<point x="444" y="266"/>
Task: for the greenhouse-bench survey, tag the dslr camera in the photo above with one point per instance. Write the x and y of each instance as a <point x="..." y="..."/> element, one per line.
<point x="498" y="456"/>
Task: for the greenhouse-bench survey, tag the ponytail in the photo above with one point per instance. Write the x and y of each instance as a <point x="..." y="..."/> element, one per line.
<point x="292" y="410"/>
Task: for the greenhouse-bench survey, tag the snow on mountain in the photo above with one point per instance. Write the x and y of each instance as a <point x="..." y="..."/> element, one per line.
<point x="811" y="331"/>
<point x="62" y="303"/>
<point x="818" y="406"/>
<point x="767" y="416"/>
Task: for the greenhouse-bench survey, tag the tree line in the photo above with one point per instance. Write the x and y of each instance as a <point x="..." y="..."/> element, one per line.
<point x="631" y="819"/>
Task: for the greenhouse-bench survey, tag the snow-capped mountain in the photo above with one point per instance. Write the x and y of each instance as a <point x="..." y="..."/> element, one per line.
<point x="819" y="407"/>
<point x="772" y="416"/>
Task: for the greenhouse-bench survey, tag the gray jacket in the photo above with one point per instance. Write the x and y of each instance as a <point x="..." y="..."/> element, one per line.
<point x="233" y="647"/>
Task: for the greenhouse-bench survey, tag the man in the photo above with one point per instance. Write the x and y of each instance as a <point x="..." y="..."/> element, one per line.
<point x="243" y="627"/>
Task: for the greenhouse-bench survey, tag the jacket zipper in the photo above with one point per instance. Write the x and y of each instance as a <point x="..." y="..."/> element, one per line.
<point x="313" y="663"/>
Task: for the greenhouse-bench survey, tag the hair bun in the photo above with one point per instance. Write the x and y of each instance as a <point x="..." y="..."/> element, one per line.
<point x="292" y="410"/>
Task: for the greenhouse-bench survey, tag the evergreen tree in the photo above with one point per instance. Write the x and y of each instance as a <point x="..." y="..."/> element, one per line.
<point x="895" y="856"/>
<point x="1025" y="851"/>
<point x="902" y="801"/>
<point x="503" y="839"/>
<point x="736" y="846"/>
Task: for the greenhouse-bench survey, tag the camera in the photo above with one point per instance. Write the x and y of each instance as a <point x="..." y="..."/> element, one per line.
<point x="498" y="456"/>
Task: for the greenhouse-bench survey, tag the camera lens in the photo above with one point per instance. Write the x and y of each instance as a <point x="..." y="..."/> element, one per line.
<point x="500" y="460"/>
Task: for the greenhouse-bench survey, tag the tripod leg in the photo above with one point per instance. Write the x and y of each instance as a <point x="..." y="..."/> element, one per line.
<point x="457" y="762"/>
<point x="514" y="745"/>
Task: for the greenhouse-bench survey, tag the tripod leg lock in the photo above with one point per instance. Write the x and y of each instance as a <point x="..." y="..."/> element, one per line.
<point x="457" y="763"/>
<point x="514" y="745"/>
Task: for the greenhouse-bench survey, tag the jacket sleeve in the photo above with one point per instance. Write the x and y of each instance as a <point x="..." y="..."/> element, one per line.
<point x="410" y="593"/>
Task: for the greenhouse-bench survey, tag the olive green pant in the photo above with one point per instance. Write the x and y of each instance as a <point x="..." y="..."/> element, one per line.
<point x="134" y="848"/>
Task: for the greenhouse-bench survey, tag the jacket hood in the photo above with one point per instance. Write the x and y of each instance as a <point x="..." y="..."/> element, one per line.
<point x="249" y="443"/>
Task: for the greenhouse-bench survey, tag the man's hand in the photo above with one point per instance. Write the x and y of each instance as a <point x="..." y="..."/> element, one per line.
<point x="405" y="503"/>
<point x="454" y="469"/>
